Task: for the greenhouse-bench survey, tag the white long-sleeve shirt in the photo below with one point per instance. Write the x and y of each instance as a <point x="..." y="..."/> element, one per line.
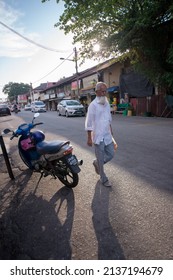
<point x="98" y="121"/>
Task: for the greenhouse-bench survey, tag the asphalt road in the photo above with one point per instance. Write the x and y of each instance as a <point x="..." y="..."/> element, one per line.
<point x="131" y="220"/>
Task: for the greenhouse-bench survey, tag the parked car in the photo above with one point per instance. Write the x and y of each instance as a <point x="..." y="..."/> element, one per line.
<point x="27" y="107"/>
<point x="38" y="106"/>
<point x="4" y="110"/>
<point x="70" y="108"/>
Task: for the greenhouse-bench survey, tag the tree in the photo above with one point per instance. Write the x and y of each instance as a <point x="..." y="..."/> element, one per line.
<point x="139" y="29"/>
<point x="15" y="89"/>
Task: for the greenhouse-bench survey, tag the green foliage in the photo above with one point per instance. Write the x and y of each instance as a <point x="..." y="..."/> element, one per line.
<point x="141" y="29"/>
<point x="15" y="89"/>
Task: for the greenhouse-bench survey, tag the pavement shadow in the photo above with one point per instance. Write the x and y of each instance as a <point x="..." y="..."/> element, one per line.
<point x="10" y="191"/>
<point x="108" y="245"/>
<point x="34" y="228"/>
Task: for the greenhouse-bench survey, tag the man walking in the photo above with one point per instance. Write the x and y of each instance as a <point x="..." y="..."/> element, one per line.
<point x="99" y="130"/>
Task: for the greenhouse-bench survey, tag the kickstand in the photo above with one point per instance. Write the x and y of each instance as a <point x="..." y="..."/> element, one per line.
<point x="38" y="182"/>
<point x="40" y="178"/>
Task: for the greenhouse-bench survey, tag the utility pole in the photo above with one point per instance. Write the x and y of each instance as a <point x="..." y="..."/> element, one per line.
<point x="76" y="66"/>
<point x="31" y="93"/>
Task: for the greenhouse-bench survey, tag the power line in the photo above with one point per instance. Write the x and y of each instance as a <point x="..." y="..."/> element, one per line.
<point x="39" y="45"/>
<point x="29" y="40"/>
<point x="53" y="69"/>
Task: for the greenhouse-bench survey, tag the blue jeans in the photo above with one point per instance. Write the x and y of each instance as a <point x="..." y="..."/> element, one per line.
<point x="104" y="153"/>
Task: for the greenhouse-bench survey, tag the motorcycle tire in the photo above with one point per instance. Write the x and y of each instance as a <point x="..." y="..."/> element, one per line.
<point x="70" y="180"/>
<point x="25" y="161"/>
<point x="65" y="175"/>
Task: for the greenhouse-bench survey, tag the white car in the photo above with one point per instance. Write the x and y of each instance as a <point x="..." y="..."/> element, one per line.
<point x="70" y="107"/>
<point x="38" y="106"/>
<point x="27" y="107"/>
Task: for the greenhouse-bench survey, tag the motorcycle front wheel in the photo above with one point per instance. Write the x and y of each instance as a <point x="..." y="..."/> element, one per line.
<point x="27" y="163"/>
<point x="65" y="175"/>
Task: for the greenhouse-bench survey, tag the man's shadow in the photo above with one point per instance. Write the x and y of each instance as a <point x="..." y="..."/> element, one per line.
<point x="108" y="245"/>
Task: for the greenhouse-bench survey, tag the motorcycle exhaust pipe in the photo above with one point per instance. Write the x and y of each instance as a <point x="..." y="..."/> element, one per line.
<point x="80" y="162"/>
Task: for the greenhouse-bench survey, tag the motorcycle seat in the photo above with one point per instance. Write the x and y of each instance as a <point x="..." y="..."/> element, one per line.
<point x="50" y="147"/>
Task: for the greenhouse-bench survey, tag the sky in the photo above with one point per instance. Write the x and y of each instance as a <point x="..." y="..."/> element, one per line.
<point x="24" y="62"/>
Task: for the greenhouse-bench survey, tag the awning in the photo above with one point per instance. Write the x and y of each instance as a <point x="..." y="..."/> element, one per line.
<point x="83" y="95"/>
<point x="88" y="91"/>
<point x="53" y="99"/>
<point x="91" y="87"/>
<point x="113" y="89"/>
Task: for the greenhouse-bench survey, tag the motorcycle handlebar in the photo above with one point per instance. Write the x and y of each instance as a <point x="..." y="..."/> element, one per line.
<point x="38" y="123"/>
<point x="27" y="128"/>
<point x="11" y="138"/>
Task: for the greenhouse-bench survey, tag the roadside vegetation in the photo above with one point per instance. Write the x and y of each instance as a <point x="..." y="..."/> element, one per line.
<point x="141" y="30"/>
<point x="12" y="90"/>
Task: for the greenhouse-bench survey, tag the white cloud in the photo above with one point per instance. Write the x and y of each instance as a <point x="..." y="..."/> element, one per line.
<point x="12" y="45"/>
<point x="22" y="61"/>
<point x="8" y="13"/>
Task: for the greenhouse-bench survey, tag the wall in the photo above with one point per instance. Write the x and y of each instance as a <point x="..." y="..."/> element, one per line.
<point x="112" y="74"/>
<point x="150" y="106"/>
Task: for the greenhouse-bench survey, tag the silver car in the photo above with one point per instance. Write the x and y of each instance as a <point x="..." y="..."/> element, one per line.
<point x="70" y="108"/>
<point x="38" y="106"/>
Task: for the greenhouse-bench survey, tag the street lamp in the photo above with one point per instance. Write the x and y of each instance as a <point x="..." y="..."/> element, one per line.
<point x="76" y="67"/>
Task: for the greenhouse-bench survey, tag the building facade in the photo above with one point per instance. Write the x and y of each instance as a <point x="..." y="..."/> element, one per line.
<point x="119" y="77"/>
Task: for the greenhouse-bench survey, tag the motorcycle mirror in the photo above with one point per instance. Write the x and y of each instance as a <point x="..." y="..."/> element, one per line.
<point x="6" y="131"/>
<point x="36" y="115"/>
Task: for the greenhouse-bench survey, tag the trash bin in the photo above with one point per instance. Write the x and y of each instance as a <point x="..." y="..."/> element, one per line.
<point x="125" y="113"/>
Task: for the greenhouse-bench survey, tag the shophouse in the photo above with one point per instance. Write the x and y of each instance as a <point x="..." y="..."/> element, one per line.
<point x="82" y="87"/>
<point x="121" y="80"/>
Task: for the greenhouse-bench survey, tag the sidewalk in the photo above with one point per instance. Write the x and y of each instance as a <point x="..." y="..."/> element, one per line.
<point x="9" y="192"/>
<point x="24" y="232"/>
<point x="30" y="225"/>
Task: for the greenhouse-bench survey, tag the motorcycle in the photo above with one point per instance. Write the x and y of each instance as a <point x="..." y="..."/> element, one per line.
<point x="53" y="158"/>
<point x="15" y="109"/>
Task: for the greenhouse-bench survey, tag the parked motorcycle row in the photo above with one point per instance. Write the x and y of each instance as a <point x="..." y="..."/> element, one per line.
<point x="54" y="158"/>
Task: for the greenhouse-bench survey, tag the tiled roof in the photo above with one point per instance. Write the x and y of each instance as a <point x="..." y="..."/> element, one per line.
<point x="43" y="86"/>
<point x="82" y="74"/>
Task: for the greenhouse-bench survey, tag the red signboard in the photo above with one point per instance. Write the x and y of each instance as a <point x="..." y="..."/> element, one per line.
<point x="22" y="98"/>
<point x="74" y="85"/>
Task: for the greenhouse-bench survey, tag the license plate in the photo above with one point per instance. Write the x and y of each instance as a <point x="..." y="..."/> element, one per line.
<point x="72" y="160"/>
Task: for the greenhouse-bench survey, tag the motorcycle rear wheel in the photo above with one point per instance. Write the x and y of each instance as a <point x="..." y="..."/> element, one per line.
<point x="65" y="175"/>
<point x="70" y="180"/>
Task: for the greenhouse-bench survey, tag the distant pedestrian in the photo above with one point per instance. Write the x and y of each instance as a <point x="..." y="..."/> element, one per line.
<point x="99" y="130"/>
